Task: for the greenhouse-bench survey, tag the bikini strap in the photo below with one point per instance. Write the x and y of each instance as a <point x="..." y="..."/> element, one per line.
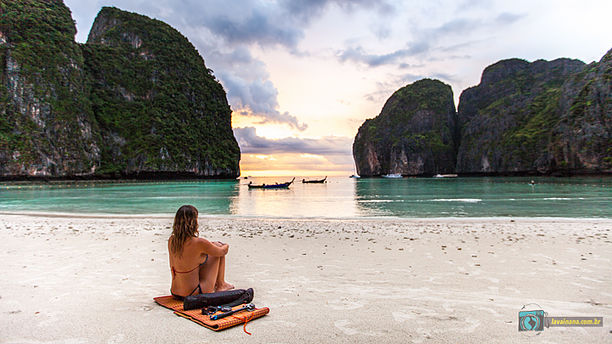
<point x="175" y="271"/>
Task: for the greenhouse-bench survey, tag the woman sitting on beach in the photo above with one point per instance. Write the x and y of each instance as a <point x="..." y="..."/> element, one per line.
<point x="197" y="265"/>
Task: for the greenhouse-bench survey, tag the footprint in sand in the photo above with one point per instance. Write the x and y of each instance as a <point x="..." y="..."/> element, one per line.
<point x="424" y="334"/>
<point x="343" y="325"/>
<point x="284" y="323"/>
<point x="344" y="304"/>
<point x="401" y="316"/>
<point x="116" y="339"/>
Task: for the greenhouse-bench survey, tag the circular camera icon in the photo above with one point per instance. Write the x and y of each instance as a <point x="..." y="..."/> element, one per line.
<point x="530" y="322"/>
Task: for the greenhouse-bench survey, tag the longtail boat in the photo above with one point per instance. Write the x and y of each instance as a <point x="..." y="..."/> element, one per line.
<point x="270" y="186"/>
<point x="320" y="181"/>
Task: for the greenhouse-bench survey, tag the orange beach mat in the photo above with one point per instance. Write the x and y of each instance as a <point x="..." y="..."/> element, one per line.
<point x="196" y="315"/>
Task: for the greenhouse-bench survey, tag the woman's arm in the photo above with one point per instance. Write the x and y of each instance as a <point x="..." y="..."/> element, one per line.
<point x="216" y="249"/>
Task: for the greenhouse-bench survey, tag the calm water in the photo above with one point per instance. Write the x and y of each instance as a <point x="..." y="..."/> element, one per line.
<point x="340" y="197"/>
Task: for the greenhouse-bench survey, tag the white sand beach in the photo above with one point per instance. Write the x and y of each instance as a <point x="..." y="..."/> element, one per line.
<point x="87" y="279"/>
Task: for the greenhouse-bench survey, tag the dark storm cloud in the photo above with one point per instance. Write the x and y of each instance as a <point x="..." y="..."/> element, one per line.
<point x="251" y="143"/>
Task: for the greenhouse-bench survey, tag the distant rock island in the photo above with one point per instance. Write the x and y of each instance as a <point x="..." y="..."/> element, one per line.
<point x="413" y="135"/>
<point x="135" y="101"/>
<point x="544" y="117"/>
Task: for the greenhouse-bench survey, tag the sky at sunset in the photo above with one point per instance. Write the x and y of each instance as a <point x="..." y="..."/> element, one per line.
<point x="301" y="76"/>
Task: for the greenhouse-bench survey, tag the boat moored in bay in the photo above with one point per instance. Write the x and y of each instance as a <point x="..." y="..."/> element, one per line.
<point x="319" y="181"/>
<point x="271" y="186"/>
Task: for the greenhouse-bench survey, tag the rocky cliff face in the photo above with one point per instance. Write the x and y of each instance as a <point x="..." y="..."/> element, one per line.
<point x="413" y="135"/>
<point x="582" y="139"/>
<point x="158" y="107"/>
<point x="136" y="100"/>
<point x="541" y="117"/>
<point x="507" y="120"/>
<point x="545" y="117"/>
<point x="46" y="121"/>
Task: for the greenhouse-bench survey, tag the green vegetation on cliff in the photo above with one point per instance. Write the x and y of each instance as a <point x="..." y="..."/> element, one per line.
<point x="413" y="135"/>
<point x="137" y="98"/>
<point x="547" y="117"/>
<point x="46" y="114"/>
<point x="541" y="117"/>
<point x="154" y="99"/>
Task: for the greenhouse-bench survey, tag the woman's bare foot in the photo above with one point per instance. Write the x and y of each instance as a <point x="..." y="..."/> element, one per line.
<point x="223" y="287"/>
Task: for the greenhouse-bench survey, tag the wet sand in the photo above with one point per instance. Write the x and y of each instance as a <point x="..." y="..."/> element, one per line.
<point x="69" y="279"/>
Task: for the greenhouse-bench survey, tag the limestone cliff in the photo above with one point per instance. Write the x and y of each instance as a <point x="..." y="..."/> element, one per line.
<point x="136" y="101"/>
<point x="545" y="117"/>
<point x="413" y="135"/>
<point x="46" y="121"/>
<point x="506" y="121"/>
<point x="582" y="139"/>
<point x="158" y="107"/>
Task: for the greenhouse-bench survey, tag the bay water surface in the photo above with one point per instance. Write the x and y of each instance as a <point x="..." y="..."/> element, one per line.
<point x="340" y="197"/>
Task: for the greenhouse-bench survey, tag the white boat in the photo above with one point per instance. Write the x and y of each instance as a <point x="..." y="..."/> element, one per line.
<point x="392" y="175"/>
<point x="354" y="176"/>
<point x="445" y="176"/>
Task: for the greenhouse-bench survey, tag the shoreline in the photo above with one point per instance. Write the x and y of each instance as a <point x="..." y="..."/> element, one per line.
<point x="263" y="217"/>
<point x="40" y="180"/>
<point x="384" y="280"/>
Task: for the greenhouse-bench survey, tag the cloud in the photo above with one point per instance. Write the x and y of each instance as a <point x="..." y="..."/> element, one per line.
<point x="426" y="40"/>
<point x="251" y="143"/>
<point x="257" y="98"/>
<point x="246" y="81"/>
<point x="358" y="54"/>
<point x="224" y="32"/>
<point x="331" y="153"/>
<point x="258" y="26"/>
<point x="306" y="10"/>
<point x="264" y="23"/>
<point x="508" y="18"/>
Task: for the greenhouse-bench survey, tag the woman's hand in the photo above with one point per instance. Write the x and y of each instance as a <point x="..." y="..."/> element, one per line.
<point x="221" y="245"/>
<point x="215" y="248"/>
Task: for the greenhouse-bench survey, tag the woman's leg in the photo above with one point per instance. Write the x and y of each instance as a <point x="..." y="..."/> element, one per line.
<point x="208" y="274"/>
<point x="220" y="284"/>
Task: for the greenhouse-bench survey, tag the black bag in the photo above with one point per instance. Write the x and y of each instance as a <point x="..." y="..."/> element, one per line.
<point x="230" y="298"/>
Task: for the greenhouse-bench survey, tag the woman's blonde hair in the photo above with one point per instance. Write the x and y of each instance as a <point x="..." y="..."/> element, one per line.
<point x="185" y="226"/>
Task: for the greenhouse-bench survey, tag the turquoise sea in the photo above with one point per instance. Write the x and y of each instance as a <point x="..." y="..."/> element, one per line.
<point x="341" y="197"/>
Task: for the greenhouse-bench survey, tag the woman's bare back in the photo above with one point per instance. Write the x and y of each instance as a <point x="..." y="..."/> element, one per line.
<point x="199" y="269"/>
